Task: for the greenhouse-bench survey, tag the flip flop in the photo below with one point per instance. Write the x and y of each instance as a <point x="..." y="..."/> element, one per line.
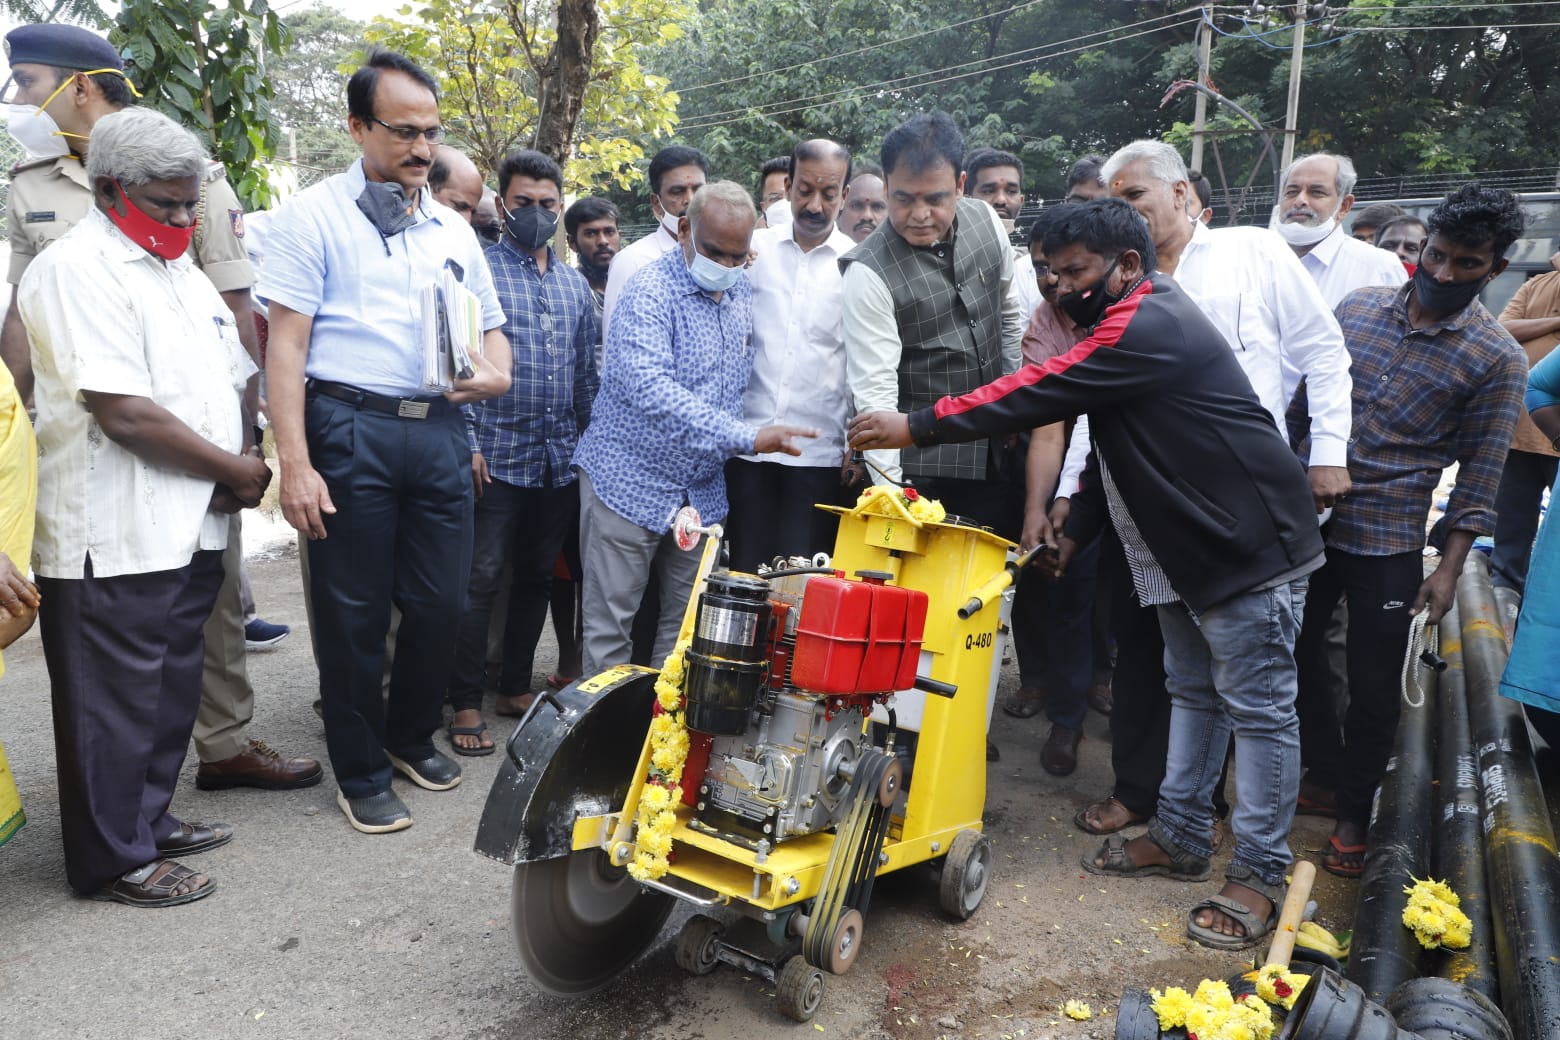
<point x="478" y="730"/>
<point x="1305" y="806"/>
<point x="558" y="682"/>
<point x="1256" y="928"/>
<point x="1345" y="861"/>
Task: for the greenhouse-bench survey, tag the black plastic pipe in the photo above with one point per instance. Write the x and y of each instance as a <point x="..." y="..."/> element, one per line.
<point x="1519" y="844"/>
<point x="1459" y="839"/>
<point x="1384" y="954"/>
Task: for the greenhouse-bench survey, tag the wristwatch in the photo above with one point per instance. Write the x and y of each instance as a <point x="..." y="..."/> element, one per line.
<point x="1554" y="443"/>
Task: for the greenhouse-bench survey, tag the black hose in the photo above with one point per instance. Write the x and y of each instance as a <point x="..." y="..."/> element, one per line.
<point x="1383" y="953"/>
<point x="1519" y="843"/>
<point x="1459" y="840"/>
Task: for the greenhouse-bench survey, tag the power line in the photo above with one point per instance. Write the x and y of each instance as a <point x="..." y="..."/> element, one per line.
<point x="706" y="122"/>
<point x="858" y="50"/>
<point x="712" y="118"/>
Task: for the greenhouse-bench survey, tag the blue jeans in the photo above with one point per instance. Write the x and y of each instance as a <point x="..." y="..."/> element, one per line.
<point x="1231" y="669"/>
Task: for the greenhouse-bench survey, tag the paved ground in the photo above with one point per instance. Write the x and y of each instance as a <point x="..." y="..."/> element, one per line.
<point x="318" y="931"/>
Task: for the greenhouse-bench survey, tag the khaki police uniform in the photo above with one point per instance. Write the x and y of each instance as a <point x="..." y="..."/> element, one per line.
<point x="48" y="197"/>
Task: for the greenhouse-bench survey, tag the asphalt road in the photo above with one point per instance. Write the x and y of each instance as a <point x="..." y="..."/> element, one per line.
<point x="317" y="931"/>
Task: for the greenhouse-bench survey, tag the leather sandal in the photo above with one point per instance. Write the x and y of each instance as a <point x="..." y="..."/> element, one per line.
<point x="1024" y="702"/>
<point x="1256" y="928"/>
<point x="155" y="885"/>
<point x="1106" y="817"/>
<point x="1183" y="866"/>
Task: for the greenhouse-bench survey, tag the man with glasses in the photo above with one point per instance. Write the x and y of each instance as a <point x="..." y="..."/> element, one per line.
<point x="375" y="468"/>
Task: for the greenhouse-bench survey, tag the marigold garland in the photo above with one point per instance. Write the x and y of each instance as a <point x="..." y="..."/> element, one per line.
<point x="1433" y="915"/>
<point x="1277" y="986"/>
<point x="926" y="510"/>
<point x="1213" y="1013"/>
<point x="656" y="816"/>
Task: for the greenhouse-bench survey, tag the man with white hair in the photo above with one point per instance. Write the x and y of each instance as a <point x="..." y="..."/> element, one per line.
<point x="667" y="417"/>
<point x="143" y="454"/>
<point x="1318" y="191"/>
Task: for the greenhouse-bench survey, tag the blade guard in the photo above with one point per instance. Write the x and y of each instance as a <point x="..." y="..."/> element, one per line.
<point x="571" y="756"/>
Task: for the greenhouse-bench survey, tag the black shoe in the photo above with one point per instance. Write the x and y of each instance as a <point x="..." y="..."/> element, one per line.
<point x="377" y="814"/>
<point x="191" y="838"/>
<point x="437" y="772"/>
<point x="1059" y="756"/>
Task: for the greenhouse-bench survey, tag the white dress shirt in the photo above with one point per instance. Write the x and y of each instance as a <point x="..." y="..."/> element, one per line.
<point x="799" y="334"/>
<point x="1341" y="264"/>
<point x="105" y="315"/>
<point x="1252" y="287"/>
<point x="872" y="363"/>
<point x="628" y="262"/>
<point x="1025" y="285"/>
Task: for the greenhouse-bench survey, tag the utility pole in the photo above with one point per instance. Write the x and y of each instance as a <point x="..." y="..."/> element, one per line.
<point x="1292" y="114"/>
<point x="1204" y="50"/>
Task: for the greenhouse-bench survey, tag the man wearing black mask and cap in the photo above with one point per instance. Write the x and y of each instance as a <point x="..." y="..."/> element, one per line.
<point x="523" y="440"/>
<point x="375" y="468"/>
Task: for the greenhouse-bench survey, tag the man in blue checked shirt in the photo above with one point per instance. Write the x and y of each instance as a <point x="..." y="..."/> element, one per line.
<point x="522" y="442"/>
<point x="679" y="354"/>
<point x="1437" y="380"/>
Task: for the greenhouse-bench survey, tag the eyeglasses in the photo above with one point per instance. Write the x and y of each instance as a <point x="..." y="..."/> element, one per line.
<point x="408" y="134"/>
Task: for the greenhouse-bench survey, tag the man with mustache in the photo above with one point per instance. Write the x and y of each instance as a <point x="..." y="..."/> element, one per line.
<point x="375" y="468"/>
<point x="1403" y="237"/>
<point x="1318" y="191"/>
<point x="591" y="225"/>
<point x="798" y="368"/>
<point x="865" y="204"/>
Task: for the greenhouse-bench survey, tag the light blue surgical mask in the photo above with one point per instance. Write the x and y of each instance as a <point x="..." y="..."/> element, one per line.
<point x="711" y="276"/>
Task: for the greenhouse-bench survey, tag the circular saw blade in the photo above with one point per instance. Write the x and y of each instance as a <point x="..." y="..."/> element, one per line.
<point x="579" y="921"/>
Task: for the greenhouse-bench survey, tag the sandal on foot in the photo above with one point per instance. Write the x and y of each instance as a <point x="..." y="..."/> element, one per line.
<point x="1307" y="806"/>
<point x="1024" y="702"/>
<point x="1257" y="928"/>
<point x="155" y="885"/>
<point x="1183" y="866"/>
<point x="558" y="682"/>
<point x="521" y="704"/>
<point x="479" y="731"/>
<point x="1106" y="817"/>
<point x="1345" y="861"/>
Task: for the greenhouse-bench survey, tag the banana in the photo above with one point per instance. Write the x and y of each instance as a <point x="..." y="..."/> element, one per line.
<point x="1313" y="936"/>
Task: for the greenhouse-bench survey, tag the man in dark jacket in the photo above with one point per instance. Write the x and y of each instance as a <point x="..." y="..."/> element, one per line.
<point x="1228" y="536"/>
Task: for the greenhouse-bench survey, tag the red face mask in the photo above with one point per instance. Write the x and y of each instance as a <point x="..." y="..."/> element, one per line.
<point x="1410" y="268"/>
<point x="155" y="237"/>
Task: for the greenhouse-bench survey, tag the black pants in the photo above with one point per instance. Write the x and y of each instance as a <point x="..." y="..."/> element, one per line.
<point x="772" y="511"/>
<point x="1353" y="756"/>
<point x="401" y="533"/>
<point x="124" y="657"/>
<point x="524" y="527"/>
<point x="1140" y="709"/>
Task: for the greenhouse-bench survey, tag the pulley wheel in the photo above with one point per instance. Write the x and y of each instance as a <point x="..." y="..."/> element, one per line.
<point x="892" y="780"/>
<point x="847" y="940"/>
<point x="579" y="921"/>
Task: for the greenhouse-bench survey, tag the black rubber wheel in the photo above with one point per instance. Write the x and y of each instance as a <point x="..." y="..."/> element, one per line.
<point x="799" y="989"/>
<point x="966" y="872"/>
<point x="697" y="945"/>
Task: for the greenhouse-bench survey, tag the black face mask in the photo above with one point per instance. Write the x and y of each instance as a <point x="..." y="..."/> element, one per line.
<point x="1444" y="299"/>
<point x="531" y="226"/>
<point x="386" y="206"/>
<point x="1085" y="306"/>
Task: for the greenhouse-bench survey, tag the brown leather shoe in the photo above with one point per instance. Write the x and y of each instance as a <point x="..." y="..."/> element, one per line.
<point x="1059" y="756"/>
<point x="259" y="765"/>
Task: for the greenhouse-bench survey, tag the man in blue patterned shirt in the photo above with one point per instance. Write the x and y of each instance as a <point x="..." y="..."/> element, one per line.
<point x="1437" y="380"/>
<point x="523" y="442"/>
<point x="679" y="354"/>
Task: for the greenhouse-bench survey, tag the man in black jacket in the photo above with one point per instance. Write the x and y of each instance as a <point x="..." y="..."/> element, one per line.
<point x="1228" y="537"/>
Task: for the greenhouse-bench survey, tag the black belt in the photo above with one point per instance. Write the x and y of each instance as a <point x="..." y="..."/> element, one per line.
<point x="400" y="407"/>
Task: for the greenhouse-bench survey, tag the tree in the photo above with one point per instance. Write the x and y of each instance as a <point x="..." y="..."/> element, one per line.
<point x="562" y="76"/>
<point x="310" y="101"/>
<point x="201" y="65"/>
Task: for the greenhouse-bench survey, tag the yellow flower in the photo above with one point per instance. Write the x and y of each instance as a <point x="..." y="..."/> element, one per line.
<point x="654" y="842"/>
<point x="1077" y="1010"/>
<point x="654" y="798"/>
<point x="1432" y="914"/>
<point x="1277" y="986"/>
<point x="1214" y="993"/>
<point x="1171" y="1006"/>
<point x="928" y="510"/>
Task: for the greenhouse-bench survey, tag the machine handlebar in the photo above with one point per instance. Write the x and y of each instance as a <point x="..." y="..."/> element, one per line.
<point x="927" y="684"/>
<point x="994" y="585"/>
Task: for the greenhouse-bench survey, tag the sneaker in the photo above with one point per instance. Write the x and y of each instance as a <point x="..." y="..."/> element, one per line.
<point x="437" y="772"/>
<point x="260" y="634"/>
<point x="376" y="814"/>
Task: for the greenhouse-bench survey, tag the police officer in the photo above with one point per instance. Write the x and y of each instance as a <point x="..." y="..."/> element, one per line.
<point x="66" y="79"/>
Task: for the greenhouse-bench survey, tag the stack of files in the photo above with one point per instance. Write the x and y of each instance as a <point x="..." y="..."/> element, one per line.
<point x="452" y="331"/>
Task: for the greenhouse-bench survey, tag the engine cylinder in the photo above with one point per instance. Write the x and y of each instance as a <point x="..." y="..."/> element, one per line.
<point x="728" y="658"/>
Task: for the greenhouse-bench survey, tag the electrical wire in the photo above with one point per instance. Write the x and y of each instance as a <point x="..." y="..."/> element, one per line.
<point x="858" y="50"/>
<point x="709" y="120"/>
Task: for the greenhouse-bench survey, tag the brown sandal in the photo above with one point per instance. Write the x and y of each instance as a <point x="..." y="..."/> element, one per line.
<point x="156" y="884"/>
<point x="1106" y="817"/>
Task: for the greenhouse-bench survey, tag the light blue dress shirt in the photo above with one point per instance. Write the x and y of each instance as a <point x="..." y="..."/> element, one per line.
<point x="324" y="258"/>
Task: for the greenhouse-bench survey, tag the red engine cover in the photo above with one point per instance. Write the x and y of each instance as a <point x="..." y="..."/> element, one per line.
<point x="855" y="637"/>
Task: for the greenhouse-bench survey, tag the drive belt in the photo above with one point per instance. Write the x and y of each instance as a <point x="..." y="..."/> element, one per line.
<point x="852" y="865"/>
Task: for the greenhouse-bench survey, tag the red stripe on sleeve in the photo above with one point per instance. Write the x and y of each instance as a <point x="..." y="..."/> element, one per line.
<point x="1106" y="334"/>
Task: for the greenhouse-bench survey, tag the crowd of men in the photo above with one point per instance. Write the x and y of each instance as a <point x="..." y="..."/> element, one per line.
<point x="1219" y="436"/>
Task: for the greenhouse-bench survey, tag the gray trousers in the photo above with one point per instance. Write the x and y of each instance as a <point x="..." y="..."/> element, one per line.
<point x="227" y="700"/>
<point x="617" y="557"/>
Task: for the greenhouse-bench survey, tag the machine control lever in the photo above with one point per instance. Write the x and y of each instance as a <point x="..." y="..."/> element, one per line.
<point x="929" y="685"/>
<point x="994" y="586"/>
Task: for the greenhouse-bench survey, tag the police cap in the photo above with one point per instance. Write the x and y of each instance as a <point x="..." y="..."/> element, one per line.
<point x="63" y="46"/>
